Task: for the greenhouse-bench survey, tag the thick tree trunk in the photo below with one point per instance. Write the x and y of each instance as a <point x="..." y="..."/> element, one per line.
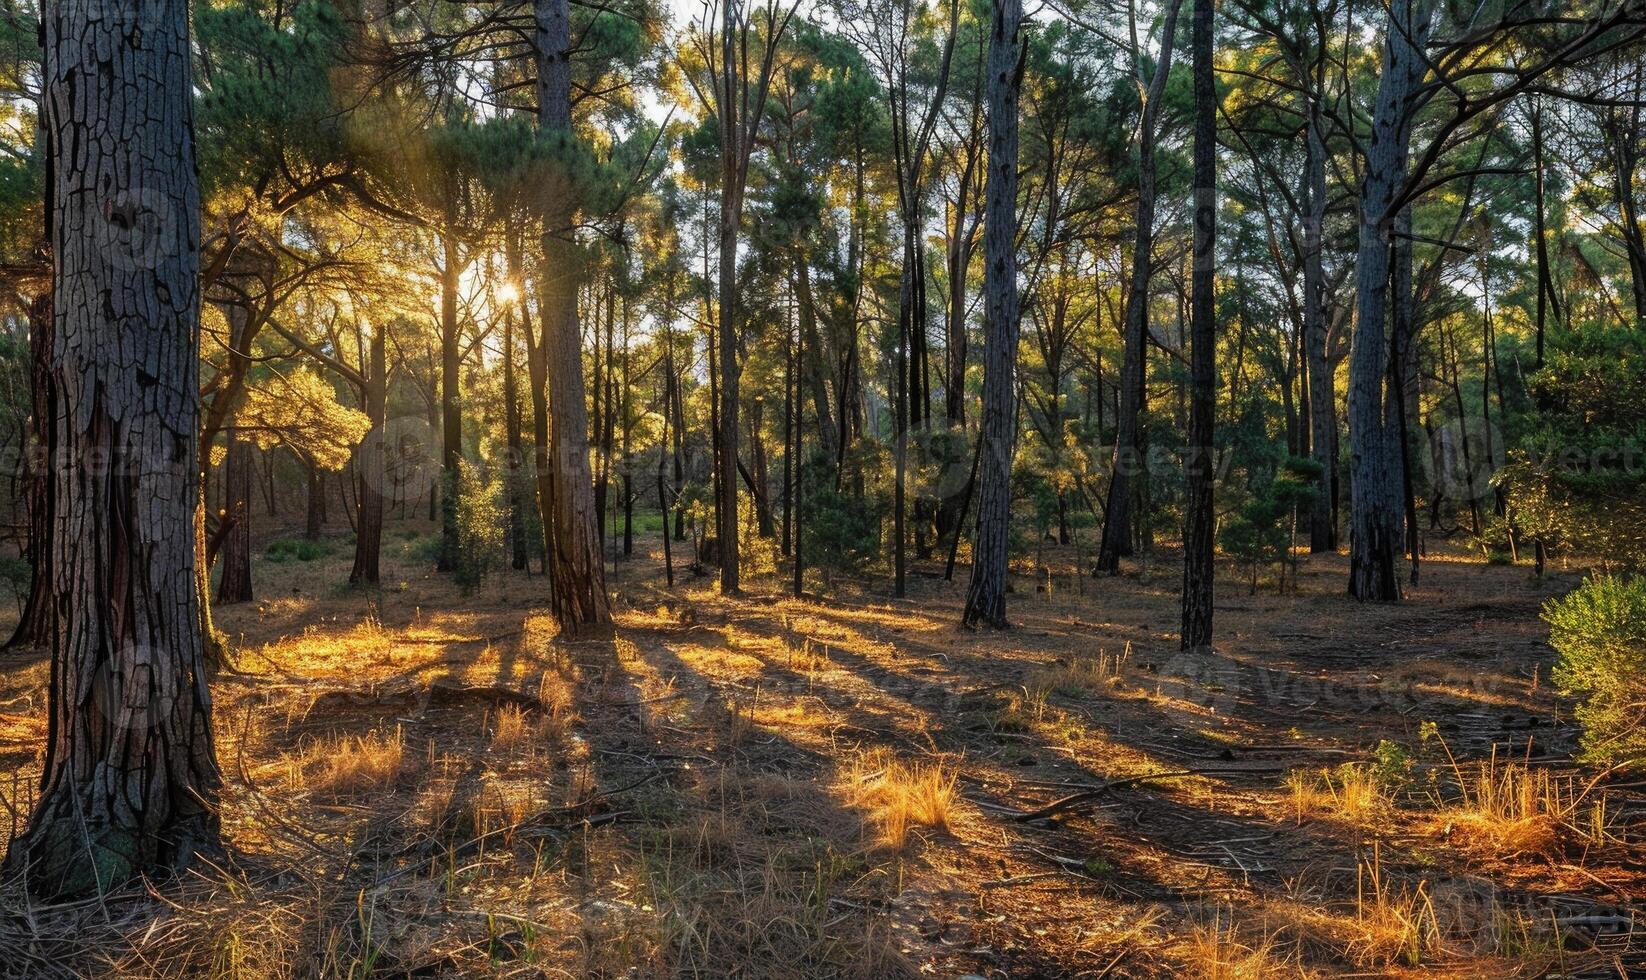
<point x="371" y="466"/>
<point x="235" y="584"/>
<point x="131" y="778"/>
<point x="1198" y="561"/>
<point x="1128" y="449"/>
<point x="986" y="595"/>
<point x="1375" y="516"/>
<point x="579" y="577"/>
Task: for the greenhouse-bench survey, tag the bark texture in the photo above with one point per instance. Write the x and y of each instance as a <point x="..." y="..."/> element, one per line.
<point x="578" y="587"/>
<point x="1375" y="515"/>
<point x="986" y="594"/>
<point x="37" y="622"/>
<point x="130" y="778"/>
<point x="1198" y="563"/>
<point x="372" y="469"/>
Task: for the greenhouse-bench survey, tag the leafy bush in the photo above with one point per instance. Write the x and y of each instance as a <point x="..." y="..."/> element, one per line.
<point x="481" y="519"/>
<point x="1599" y="631"/>
<point x="1260" y="531"/>
<point x="1576" y="480"/>
<point x="295" y="549"/>
<point x="841" y="529"/>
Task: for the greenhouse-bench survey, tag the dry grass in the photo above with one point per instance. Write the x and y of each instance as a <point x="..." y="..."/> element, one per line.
<point x="1351" y="793"/>
<point x="1080" y="673"/>
<point x="352" y="765"/>
<point x="1507" y="810"/>
<point x="514" y="729"/>
<point x="1222" y="950"/>
<point x="898" y="796"/>
<point x="1396" y="921"/>
<point x="743" y="787"/>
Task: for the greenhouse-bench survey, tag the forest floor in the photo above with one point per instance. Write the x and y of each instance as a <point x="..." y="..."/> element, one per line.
<point x="419" y="782"/>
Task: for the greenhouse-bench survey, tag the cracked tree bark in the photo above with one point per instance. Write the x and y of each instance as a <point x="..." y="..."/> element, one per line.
<point x="131" y="778"/>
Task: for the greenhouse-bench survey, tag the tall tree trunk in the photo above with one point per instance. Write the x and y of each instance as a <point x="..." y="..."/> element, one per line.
<point x="1198" y="561"/>
<point x="451" y="399"/>
<point x="372" y="468"/>
<point x="131" y="778"/>
<point x="1322" y="417"/>
<point x="1128" y="448"/>
<point x="1375" y="514"/>
<point x="811" y="363"/>
<point x="38" y="620"/>
<point x="235" y="583"/>
<point x="515" y="470"/>
<point x="579" y="576"/>
<point x="986" y="594"/>
<point x="315" y="514"/>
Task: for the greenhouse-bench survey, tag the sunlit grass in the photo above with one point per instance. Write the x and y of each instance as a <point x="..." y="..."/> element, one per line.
<point x="899" y="796"/>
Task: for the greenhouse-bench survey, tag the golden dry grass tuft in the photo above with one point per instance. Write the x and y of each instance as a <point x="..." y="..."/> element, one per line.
<point x="1396" y="921"/>
<point x="1221" y="949"/>
<point x="1351" y="792"/>
<point x="352" y="765"/>
<point x="898" y="796"/>
<point x="1079" y="673"/>
<point x="1507" y="810"/>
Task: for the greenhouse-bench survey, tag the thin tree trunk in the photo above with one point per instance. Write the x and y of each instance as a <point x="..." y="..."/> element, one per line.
<point x="986" y="594"/>
<point x="234" y="585"/>
<point x="372" y="469"/>
<point x="515" y="469"/>
<point x="130" y="779"/>
<point x="1198" y="560"/>
<point x="1322" y="417"/>
<point x="1128" y="449"/>
<point x="451" y="398"/>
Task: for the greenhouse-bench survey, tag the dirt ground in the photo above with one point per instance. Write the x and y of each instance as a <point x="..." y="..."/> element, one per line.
<point x="423" y="783"/>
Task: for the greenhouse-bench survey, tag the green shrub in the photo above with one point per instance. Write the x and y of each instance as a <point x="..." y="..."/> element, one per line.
<point x="1599" y="632"/>
<point x="1260" y="531"/>
<point x="295" y="549"/>
<point x="840" y="528"/>
<point x="481" y="520"/>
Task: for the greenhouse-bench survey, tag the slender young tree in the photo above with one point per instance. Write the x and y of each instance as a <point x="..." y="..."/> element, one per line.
<point x="1199" y="567"/>
<point x="986" y="595"/>
<point x="234" y="586"/>
<point x="1117" y="517"/>
<point x="737" y="98"/>
<point x="131" y="777"/>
